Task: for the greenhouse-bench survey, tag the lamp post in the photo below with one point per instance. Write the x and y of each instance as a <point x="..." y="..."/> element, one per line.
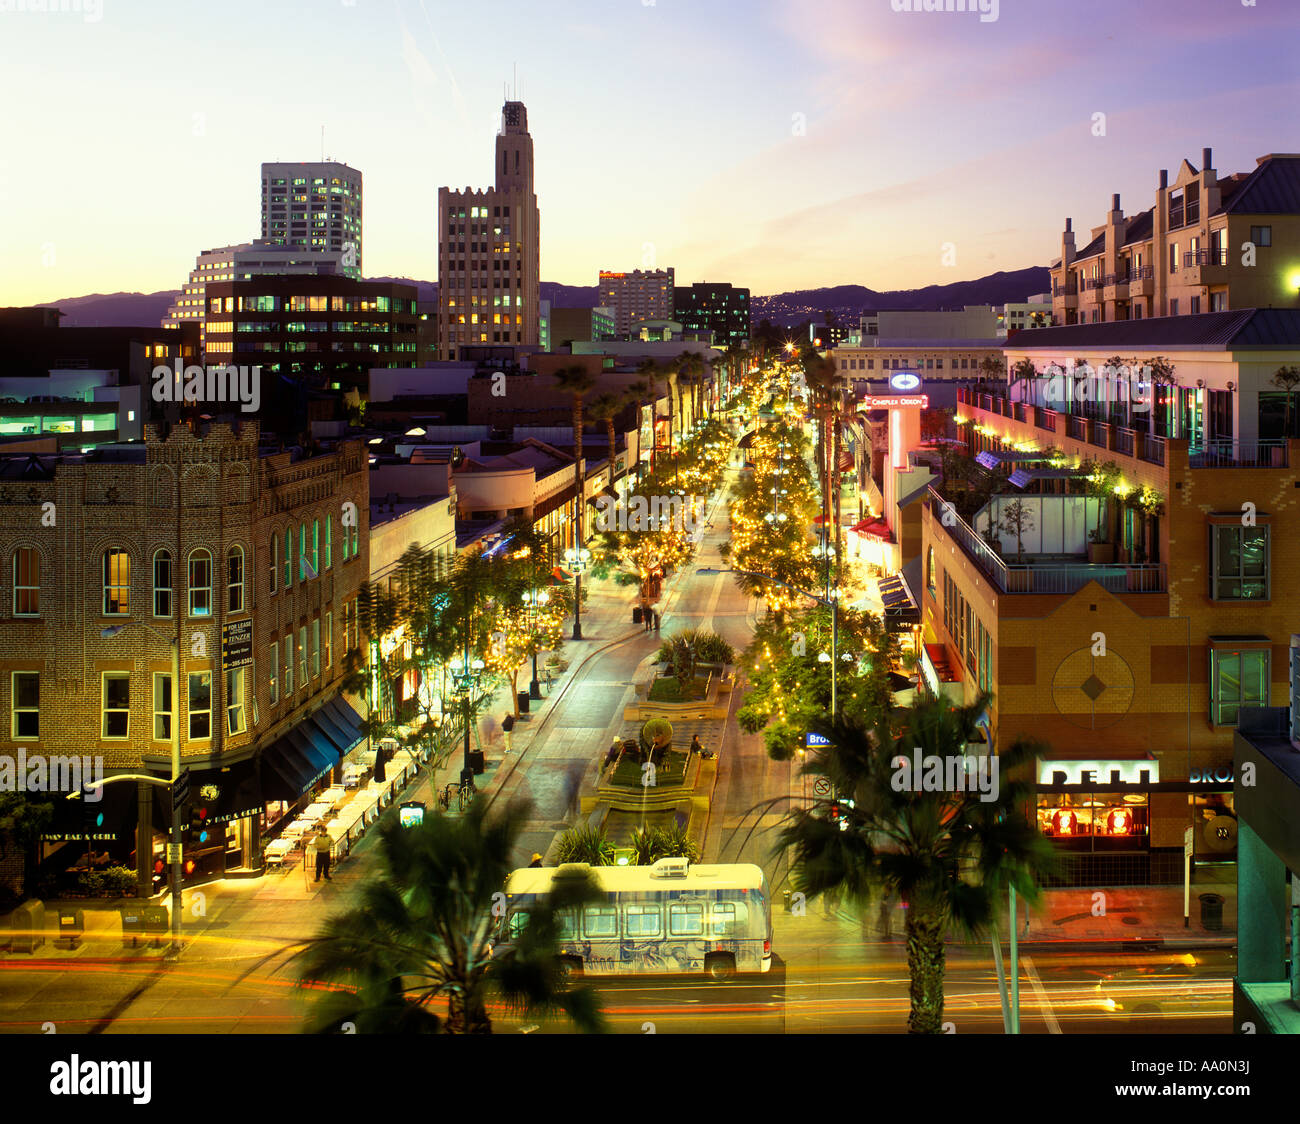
<point x="577" y="559"/>
<point x="533" y="598"/>
<point x="174" y="836"/>
<point x="465" y="677"/>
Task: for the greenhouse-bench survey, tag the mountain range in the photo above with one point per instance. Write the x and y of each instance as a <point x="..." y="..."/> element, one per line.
<point x="783" y="309"/>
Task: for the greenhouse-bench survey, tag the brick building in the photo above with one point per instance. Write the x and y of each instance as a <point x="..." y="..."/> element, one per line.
<point x="1125" y="631"/>
<point x="112" y="555"/>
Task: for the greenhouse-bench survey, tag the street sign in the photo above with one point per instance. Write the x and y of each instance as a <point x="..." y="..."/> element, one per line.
<point x="822" y="786"/>
<point x="173" y="853"/>
<point x="181" y="788"/>
<point x="237" y="644"/>
<point x="817" y="739"/>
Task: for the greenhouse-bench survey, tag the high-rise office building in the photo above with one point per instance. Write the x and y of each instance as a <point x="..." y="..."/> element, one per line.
<point x="716" y="307"/>
<point x="237" y="263"/>
<point x="636" y="296"/>
<point x="488" y="250"/>
<point x="314" y="207"/>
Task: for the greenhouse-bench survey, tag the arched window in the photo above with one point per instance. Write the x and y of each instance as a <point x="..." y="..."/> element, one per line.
<point x="117" y="582"/>
<point x="235" y="580"/>
<point x="288" y="557"/>
<point x="27" y="582"/>
<point x="275" y="560"/>
<point x="315" y="545"/>
<point x="200" y="583"/>
<point x="162" y="583"/>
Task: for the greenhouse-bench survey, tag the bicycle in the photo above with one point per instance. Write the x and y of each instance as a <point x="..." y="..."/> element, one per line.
<point x="464" y="794"/>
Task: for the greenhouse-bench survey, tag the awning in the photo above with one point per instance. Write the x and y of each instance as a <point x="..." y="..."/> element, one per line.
<point x="603" y="493"/>
<point x="296" y="761"/>
<point x="746" y="441"/>
<point x="68" y="823"/>
<point x="874" y="528"/>
<point x="337" y="717"/>
<point x="900" y="610"/>
<point x="230" y="793"/>
<point x="846" y="461"/>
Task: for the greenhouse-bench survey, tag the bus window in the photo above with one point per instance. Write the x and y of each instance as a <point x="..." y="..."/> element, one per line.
<point x="642" y="921"/>
<point x="729" y="919"/>
<point x="686" y="919"/>
<point x="518" y="921"/>
<point x="600" y="921"/>
<point x="567" y="923"/>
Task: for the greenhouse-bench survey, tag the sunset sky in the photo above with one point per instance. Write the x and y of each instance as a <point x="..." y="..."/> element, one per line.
<point x="777" y="144"/>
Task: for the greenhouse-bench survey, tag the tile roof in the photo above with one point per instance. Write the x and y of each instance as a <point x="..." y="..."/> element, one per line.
<point x="1273" y="188"/>
<point x="1234" y="330"/>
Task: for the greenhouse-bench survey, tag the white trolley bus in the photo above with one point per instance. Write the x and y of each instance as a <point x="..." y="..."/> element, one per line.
<point x="668" y="918"/>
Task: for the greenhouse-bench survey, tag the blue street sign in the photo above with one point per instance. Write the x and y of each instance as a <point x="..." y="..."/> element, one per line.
<point x="817" y="739"/>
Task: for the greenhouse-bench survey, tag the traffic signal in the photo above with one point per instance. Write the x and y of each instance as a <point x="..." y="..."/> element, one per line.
<point x="92" y="814"/>
<point x="200" y="826"/>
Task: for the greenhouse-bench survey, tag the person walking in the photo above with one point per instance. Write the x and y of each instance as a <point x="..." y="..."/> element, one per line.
<point x="323" y="846"/>
<point x="656" y="620"/>
<point x="572" y="786"/>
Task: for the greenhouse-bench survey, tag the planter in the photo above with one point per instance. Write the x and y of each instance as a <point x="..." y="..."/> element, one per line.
<point x="1101" y="552"/>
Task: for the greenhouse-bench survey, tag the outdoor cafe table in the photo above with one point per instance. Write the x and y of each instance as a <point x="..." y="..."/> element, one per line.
<point x="318" y="811"/>
<point x="350" y="822"/>
<point x="298" y="827"/>
<point x="277" y="849"/>
<point x="334" y="795"/>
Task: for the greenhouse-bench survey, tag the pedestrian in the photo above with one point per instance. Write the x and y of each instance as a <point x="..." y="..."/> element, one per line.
<point x="537" y="860"/>
<point x="323" y="846"/>
<point x="696" y="746"/>
<point x="572" y="786"/>
<point x="656" y="620"/>
<point x="611" y="755"/>
<point x="648" y="617"/>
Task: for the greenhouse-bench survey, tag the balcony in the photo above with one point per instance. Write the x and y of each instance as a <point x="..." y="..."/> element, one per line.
<point x="1068" y="293"/>
<point x="1237" y="454"/>
<point x="1053" y="575"/>
<point x="1206" y="267"/>
<point x="1141" y="282"/>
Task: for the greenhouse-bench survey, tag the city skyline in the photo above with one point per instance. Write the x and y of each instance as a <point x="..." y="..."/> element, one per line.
<point x="829" y="169"/>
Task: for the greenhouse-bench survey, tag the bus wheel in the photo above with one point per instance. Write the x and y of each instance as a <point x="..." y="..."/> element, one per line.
<point x="570" y="967"/>
<point x="720" y="965"/>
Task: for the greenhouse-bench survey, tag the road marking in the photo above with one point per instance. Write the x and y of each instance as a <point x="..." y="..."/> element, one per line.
<point x="1045" y="1004"/>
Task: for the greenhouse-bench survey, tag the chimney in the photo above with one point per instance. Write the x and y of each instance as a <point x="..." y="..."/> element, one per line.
<point x="1207" y="159"/>
<point x="1068" y="225"/>
<point x="1114" y="202"/>
<point x="1164" y="178"/>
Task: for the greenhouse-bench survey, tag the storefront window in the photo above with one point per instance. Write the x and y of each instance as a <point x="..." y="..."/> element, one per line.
<point x="1094" y="821"/>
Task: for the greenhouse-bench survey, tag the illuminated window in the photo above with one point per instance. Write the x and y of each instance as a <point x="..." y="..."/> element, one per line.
<point x="200" y="708"/>
<point x="200" y="583"/>
<point x="27" y="582"/>
<point x="117" y="583"/>
<point x="115" y="707"/>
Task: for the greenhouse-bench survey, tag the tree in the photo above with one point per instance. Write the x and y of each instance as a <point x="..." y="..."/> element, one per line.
<point x="1017" y="518"/>
<point x="425" y="932"/>
<point x="1101" y="483"/>
<point x="22" y="819"/>
<point x="949" y="853"/>
<point x="1285" y="378"/>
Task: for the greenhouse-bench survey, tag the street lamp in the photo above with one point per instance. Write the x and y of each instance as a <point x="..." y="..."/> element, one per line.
<point x="174" y="837"/>
<point x="465" y="677"/>
<point x="533" y="598"/>
<point x="577" y="559"/>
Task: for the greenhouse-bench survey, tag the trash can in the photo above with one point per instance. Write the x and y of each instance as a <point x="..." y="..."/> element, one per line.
<point x="523" y="702"/>
<point x="636" y="614"/>
<point x="475" y="763"/>
<point x="156" y="922"/>
<point x="1211" y="911"/>
<point x="26" y="927"/>
<point x="132" y="925"/>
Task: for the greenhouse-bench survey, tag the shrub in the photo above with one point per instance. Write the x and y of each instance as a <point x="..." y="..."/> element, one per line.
<point x="120" y="881"/>
<point x="673" y="842"/>
<point x="91" y="883"/>
<point x="712" y="648"/>
<point x="585" y="845"/>
<point x="656" y="732"/>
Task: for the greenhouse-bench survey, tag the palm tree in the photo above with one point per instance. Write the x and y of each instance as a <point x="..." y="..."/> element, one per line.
<point x="823" y="377"/>
<point x="949" y="854"/>
<point x="577" y="380"/>
<point x="425" y="931"/>
<point x="650" y="371"/>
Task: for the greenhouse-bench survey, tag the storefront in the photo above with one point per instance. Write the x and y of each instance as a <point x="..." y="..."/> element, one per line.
<point x="1115" y="822"/>
<point x="303" y="760"/>
<point x="219" y="830"/>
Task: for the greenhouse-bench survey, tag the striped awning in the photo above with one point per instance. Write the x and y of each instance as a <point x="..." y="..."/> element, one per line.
<point x="900" y="609"/>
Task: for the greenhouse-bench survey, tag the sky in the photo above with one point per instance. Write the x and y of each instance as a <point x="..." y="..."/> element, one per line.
<point x="775" y="144"/>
